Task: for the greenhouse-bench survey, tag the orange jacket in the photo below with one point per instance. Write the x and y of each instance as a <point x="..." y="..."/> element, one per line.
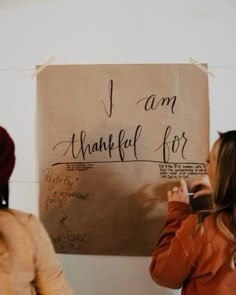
<point x="199" y="263"/>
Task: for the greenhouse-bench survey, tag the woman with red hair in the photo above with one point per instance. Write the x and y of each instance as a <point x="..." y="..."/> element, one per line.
<point x="28" y="264"/>
<point x="198" y="251"/>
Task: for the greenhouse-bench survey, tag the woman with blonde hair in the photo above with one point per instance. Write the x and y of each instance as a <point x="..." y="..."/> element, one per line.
<point x="198" y="251"/>
<point x="28" y="264"/>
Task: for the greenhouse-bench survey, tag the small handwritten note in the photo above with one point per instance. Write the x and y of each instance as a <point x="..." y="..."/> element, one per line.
<point x="61" y="192"/>
<point x="178" y="171"/>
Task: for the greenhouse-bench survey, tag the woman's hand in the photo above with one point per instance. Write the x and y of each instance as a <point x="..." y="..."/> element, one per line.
<point x="200" y="187"/>
<point x="179" y="194"/>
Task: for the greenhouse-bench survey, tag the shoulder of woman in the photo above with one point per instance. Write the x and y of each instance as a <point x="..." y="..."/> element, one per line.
<point x="21" y="217"/>
<point x="191" y="238"/>
<point x="25" y="223"/>
<point x="188" y="226"/>
<point x="194" y="230"/>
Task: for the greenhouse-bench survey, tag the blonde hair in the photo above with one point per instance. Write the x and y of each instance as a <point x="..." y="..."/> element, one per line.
<point x="220" y="225"/>
<point x="224" y="191"/>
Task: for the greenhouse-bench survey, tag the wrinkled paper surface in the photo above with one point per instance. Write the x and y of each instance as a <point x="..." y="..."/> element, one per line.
<point x="111" y="140"/>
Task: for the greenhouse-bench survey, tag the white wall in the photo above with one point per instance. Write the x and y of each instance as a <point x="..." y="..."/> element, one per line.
<point x="107" y="31"/>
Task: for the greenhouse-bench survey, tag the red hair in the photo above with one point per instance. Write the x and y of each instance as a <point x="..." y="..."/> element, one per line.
<point x="7" y="156"/>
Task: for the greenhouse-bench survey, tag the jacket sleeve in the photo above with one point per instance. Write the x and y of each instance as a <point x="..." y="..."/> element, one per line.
<point x="171" y="263"/>
<point x="49" y="276"/>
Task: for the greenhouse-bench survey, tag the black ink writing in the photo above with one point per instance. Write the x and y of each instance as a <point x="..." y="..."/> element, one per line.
<point x="63" y="219"/>
<point x="181" y="170"/>
<point x="69" y="245"/>
<point x="52" y="180"/>
<point x="79" y="166"/>
<point x="151" y="102"/>
<point x="81" y="147"/>
<point x="77" y="195"/>
<point x="60" y="199"/>
<point x="69" y="240"/>
<point x="172" y="146"/>
<point x="110" y="89"/>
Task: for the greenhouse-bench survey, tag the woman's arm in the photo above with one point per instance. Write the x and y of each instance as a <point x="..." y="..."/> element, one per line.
<point x="171" y="264"/>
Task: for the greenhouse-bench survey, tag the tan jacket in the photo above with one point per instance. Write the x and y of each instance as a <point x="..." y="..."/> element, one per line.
<point x="28" y="264"/>
<point x="200" y="263"/>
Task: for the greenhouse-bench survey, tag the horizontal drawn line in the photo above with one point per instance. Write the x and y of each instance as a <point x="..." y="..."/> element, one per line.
<point x="233" y="67"/>
<point x="127" y="161"/>
<point x="31" y="69"/>
<point x="5" y="70"/>
<point x="24" y="181"/>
